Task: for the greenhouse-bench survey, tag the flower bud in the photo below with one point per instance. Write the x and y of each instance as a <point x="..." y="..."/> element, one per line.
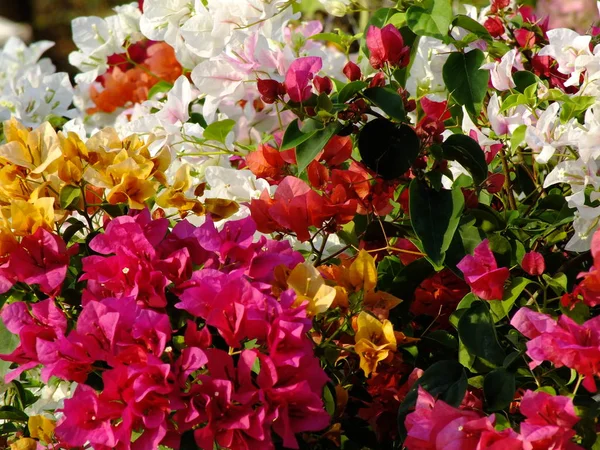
<point x="352" y="71"/>
<point x="386" y="46"/>
<point x="269" y="90"/>
<point x="323" y="84"/>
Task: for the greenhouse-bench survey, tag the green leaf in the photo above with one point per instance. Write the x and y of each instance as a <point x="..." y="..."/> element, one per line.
<point x="471" y="25"/>
<point x="476" y="331"/>
<point x="466" y="151"/>
<point x="350" y="90"/>
<point x="310" y="148"/>
<point x="465" y="80"/>
<point x="435" y="216"/>
<point x="499" y="389"/>
<point x="161" y="86"/>
<point x="8" y="342"/>
<point x="445" y="380"/>
<point x="523" y="79"/>
<point x="518" y="136"/>
<point x="69" y="196"/>
<point x="13" y="414"/>
<point x="500" y="309"/>
<point x="218" y="131"/>
<point x="72" y="230"/>
<point x="294" y="137"/>
<point x="388" y="100"/>
<point x="199" y="119"/>
<point x="442" y="338"/>
<point x="329" y="37"/>
<point x="430" y="18"/>
<point x="329" y="398"/>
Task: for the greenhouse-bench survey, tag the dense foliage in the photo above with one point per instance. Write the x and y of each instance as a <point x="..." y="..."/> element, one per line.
<point x="237" y="231"/>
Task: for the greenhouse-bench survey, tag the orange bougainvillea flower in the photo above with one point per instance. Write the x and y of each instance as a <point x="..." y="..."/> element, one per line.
<point x="123" y="86"/>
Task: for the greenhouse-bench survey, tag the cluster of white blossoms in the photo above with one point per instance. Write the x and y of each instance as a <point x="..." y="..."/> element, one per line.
<point x="30" y="88"/>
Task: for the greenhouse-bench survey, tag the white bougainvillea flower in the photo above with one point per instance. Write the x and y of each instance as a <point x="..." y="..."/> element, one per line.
<point x="567" y="47"/>
<point x="501" y="72"/>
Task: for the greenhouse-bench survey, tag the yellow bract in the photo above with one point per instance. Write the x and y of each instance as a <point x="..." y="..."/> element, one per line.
<point x="374" y="341"/>
<point x="310" y="286"/>
<point x="41" y="428"/>
<point x="24" y="444"/>
<point x="362" y="272"/>
<point x="35" y="166"/>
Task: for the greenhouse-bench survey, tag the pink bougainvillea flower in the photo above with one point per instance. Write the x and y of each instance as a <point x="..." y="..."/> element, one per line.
<point x="589" y="287"/>
<point x="386" y="46"/>
<point x="42" y="259"/>
<point x="562" y="342"/>
<point x="482" y="273"/>
<point x="352" y="71"/>
<point x="533" y="263"/>
<point x="298" y="76"/>
<point x="86" y="419"/>
<point x="436" y="425"/>
<point x="549" y="421"/>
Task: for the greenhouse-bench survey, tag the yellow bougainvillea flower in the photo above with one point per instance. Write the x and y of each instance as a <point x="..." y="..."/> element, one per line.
<point x="36" y="150"/>
<point x="131" y="190"/>
<point x="41" y="428"/>
<point x="27" y="216"/>
<point x="24" y="444"/>
<point x="220" y="208"/>
<point x="74" y="156"/>
<point x="310" y="286"/>
<point x="362" y="273"/>
<point x="374" y="341"/>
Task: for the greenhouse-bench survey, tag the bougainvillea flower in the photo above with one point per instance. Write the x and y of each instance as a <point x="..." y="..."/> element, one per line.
<point x="310" y="287"/>
<point x="363" y="273"/>
<point x="549" y="421"/>
<point x="386" y="46"/>
<point x="589" y="287"/>
<point x="482" y="273"/>
<point x="374" y="341"/>
<point x="562" y="342"/>
<point x="436" y="425"/>
<point x="42" y="259"/>
<point x="298" y="76"/>
<point x="533" y="263"/>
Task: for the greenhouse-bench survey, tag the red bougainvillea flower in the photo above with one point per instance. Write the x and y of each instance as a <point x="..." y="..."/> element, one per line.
<point x="533" y="263"/>
<point x="438" y="296"/>
<point x="386" y="46"/>
<point x="589" y="288"/>
<point x="562" y="342"/>
<point x="352" y="71"/>
<point x="298" y="76"/>
<point x="482" y="273"/>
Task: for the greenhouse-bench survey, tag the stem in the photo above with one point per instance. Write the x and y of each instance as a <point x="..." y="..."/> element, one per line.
<point x="507" y="185"/>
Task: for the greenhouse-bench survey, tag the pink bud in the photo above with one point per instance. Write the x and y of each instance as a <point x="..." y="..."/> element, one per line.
<point x="323" y="84"/>
<point x="533" y="263"/>
<point x="352" y="71"/>
<point x="386" y="46"/>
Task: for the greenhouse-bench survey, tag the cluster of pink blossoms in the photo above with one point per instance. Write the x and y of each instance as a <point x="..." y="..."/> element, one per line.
<point x="435" y="425"/>
<point x="234" y="367"/>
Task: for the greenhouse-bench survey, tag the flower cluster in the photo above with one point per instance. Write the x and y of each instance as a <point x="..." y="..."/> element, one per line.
<point x="243" y="229"/>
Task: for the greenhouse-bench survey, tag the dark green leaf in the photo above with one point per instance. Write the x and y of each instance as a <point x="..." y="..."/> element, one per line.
<point x="468" y="153"/>
<point x="310" y="148"/>
<point x="13" y="414"/>
<point x="523" y="79"/>
<point x="476" y="331"/>
<point x="199" y="119"/>
<point x="293" y="136"/>
<point x="430" y="18"/>
<point x="471" y="25"/>
<point x="72" y="231"/>
<point x="443" y="338"/>
<point x="499" y="389"/>
<point x="350" y="90"/>
<point x="387" y="148"/>
<point x="218" y="131"/>
<point x="435" y="216"/>
<point x="466" y="82"/>
<point x="388" y="100"/>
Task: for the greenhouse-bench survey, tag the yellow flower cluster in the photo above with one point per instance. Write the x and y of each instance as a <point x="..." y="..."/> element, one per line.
<point x="44" y="175"/>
